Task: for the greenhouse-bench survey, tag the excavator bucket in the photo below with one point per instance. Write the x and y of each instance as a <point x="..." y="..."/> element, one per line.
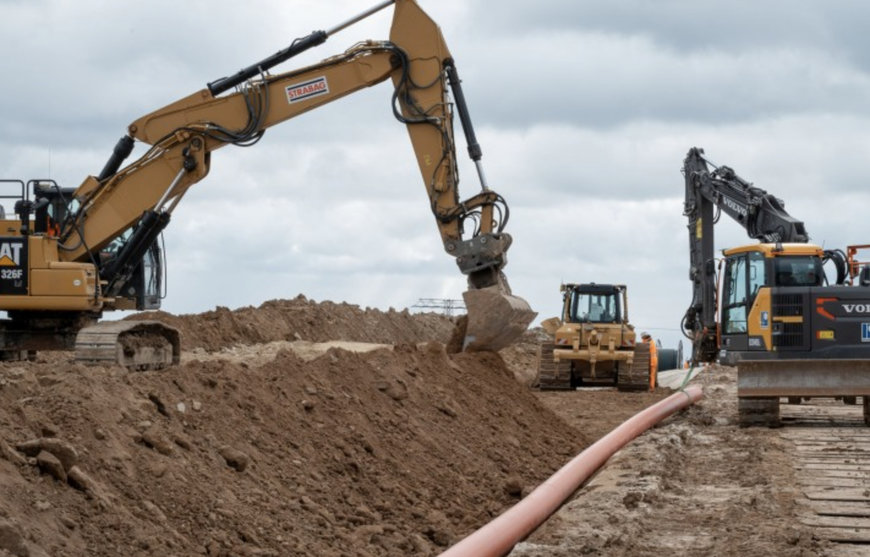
<point x="495" y="318"/>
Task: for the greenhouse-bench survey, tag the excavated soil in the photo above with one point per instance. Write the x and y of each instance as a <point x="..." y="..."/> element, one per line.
<point x="281" y="433"/>
<point x="303" y="319"/>
<point x="303" y="428"/>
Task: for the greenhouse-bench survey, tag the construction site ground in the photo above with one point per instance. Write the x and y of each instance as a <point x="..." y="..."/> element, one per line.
<point x="304" y="428"/>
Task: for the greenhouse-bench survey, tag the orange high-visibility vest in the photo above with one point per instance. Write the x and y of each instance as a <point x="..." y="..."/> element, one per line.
<point x="653" y="363"/>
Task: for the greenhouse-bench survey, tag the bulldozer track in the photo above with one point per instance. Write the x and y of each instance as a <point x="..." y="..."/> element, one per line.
<point x="552" y="375"/>
<point x="558" y="375"/>
<point x="636" y="377"/>
<point x="831" y="448"/>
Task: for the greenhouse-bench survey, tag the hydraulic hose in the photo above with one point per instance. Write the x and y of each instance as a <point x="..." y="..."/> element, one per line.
<point x="499" y="536"/>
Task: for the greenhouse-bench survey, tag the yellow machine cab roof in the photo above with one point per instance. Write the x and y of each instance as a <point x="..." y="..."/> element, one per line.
<point x="776" y="250"/>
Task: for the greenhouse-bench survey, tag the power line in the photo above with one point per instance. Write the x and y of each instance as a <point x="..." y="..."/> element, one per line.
<point x="446" y="306"/>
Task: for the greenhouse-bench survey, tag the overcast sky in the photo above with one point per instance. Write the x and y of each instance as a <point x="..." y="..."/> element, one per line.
<point x="584" y="109"/>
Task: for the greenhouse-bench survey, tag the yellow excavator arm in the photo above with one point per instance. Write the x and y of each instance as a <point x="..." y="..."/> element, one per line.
<point x="128" y="207"/>
<point x="183" y="135"/>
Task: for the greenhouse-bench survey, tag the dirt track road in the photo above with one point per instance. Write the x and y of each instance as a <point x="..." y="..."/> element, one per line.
<point x="696" y="485"/>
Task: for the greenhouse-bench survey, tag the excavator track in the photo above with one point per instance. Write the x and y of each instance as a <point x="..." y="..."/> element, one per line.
<point x="636" y="376"/>
<point x="760" y="411"/>
<point x="552" y="376"/>
<point x="136" y="345"/>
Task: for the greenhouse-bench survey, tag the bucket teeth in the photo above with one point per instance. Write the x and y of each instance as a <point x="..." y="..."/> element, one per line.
<point x="495" y="319"/>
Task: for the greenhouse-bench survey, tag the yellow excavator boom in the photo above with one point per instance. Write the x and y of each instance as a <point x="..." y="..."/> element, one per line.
<point x="113" y="220"/>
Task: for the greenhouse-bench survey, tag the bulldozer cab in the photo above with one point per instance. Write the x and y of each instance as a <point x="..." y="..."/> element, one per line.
<point x="594" y="303"/>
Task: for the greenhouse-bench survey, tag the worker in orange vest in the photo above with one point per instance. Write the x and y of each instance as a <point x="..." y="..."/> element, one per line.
<point x="653" y="359"/>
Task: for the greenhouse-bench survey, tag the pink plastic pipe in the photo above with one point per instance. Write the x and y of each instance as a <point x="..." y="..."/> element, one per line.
<point x="499" y="536"/>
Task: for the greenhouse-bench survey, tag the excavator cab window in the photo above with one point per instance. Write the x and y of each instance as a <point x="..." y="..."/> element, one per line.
<point x="744" y="276"/>
<point x="734" y="295"/>
<point x="793" y="270"/>
<point x="145" y="283"/>
<point x="757" y="275"/>
<point x="148" y="279"/>
<point x="52" y="205"/>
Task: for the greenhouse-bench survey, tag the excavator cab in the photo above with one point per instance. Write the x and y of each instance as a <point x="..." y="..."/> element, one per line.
<point x="756" y="276"/>
<point x="765" y="288"/>
<point x="44" y="213"/>
<point x="142" y="287"/>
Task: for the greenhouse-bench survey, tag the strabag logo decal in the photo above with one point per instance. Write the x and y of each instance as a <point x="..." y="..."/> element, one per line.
<point x="306" y="90"/>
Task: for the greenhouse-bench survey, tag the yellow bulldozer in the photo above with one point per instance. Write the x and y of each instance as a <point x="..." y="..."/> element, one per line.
<point x="593" y="343"/>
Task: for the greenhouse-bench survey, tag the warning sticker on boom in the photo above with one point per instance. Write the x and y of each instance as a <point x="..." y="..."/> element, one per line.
<point x="306" y="90"/>
<point x="13" y="266"/>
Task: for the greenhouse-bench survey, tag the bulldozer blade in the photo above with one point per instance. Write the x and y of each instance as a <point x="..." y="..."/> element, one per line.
<point x="495" y="319"/>
<point x="806" y="377"/>
<point x="551" y="325"/>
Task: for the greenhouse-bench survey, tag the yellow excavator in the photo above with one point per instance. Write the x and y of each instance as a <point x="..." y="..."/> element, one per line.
<point x="70" y="254"/>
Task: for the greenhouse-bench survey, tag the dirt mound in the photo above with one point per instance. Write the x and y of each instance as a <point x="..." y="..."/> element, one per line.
<point x="303" y="319"/>
<point x="397" y="451"/>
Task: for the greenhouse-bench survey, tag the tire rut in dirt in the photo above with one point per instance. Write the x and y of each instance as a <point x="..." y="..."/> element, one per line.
<point x="831" y="458"/>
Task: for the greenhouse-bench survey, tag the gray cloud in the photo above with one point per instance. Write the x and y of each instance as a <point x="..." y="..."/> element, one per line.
<point x="585" y="111"/>
<point x="741" y="25"/>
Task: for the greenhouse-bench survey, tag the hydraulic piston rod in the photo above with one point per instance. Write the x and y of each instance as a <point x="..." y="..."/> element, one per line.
<point x="298" y="46"/>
